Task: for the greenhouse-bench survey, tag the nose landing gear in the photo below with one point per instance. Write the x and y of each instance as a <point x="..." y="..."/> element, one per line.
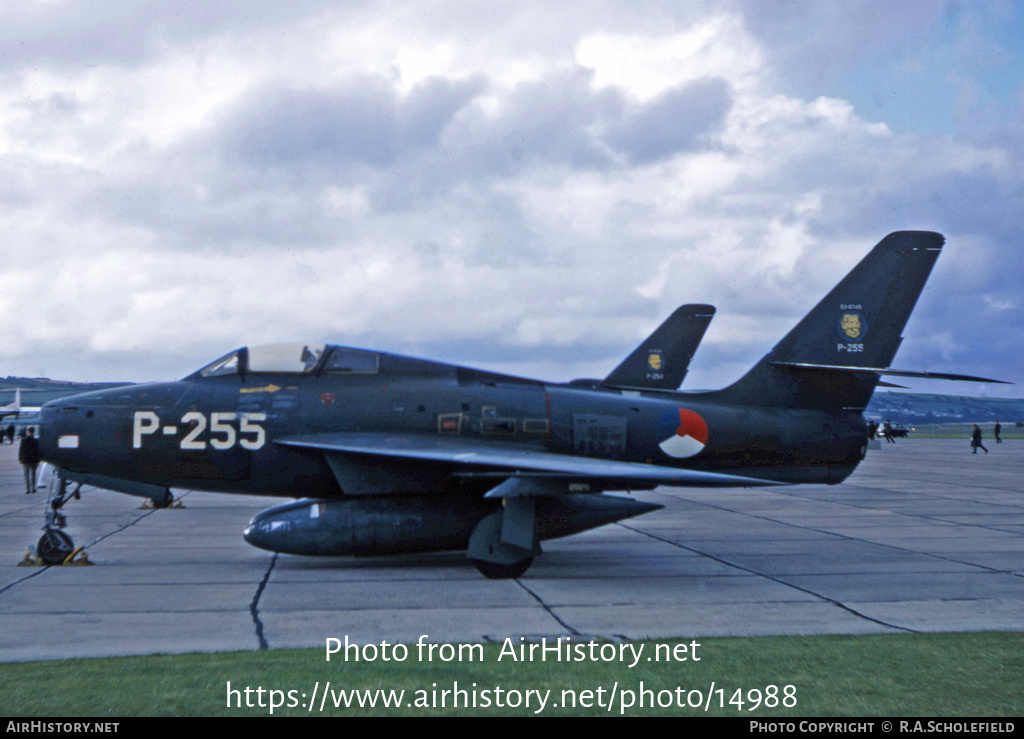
<point x="55" y="547"/>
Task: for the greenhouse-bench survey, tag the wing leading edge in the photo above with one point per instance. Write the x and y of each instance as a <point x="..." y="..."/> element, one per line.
<point x="470" y="458"/>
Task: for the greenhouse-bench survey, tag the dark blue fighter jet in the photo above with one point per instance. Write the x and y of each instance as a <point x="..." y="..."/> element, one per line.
<point x="394" y="454"/>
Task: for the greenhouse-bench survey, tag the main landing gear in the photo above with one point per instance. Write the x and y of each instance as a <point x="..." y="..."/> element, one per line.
<point x="504" y="543"/>
<point x="168" y="501"/>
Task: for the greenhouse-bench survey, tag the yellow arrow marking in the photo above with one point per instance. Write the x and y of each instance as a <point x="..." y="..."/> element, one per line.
<point x="264" y="389"/>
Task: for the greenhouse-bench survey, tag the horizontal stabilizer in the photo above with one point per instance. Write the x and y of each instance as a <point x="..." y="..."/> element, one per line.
<point x="884" y="371"/>
<point x="471" y="458"/>
<point x="883" y="383"/>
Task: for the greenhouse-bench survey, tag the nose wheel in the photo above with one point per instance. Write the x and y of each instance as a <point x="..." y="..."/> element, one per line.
<point x="54" y="546"/>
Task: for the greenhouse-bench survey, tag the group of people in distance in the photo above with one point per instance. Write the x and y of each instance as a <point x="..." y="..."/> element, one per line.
<point x="885" y="430"/>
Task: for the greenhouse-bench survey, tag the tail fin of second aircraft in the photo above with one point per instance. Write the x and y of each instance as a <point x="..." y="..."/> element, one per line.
<point x="662" y="360"/>
<point x="826" y="361"/>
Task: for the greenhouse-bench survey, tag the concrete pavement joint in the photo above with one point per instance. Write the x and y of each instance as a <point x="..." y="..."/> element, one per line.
<point x="774" y="579"/>
<point x="32" y="574"/>
<point x="254" y="609"/>
<point x="547" y="608"/>
<point x="16" y="511"/>
<point x="921" y="516"/>
<point x="122" y="527"/>
<point x="847" y="537"/>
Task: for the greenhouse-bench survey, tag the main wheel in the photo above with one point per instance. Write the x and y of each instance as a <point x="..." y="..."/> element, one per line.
<point x="54" y="546"/>
<point x="165" y="503"/>
<point x="494" y="571"/>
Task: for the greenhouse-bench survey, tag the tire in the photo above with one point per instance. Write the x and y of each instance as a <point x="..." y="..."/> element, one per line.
<point x="494" y="571"/>
<point x="54" y="547"/>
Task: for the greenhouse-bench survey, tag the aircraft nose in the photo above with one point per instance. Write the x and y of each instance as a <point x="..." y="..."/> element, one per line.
<point x="57" y="430"/>
<point x="99" y="424"/>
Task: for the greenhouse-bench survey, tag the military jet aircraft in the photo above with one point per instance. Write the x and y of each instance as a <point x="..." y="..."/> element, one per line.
<point x="394" y="454"/>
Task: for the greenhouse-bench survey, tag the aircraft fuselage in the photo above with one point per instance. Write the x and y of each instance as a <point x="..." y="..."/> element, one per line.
<point x="221" y="433"/>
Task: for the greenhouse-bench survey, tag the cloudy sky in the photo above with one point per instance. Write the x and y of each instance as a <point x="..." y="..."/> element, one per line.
<point x="528" y="187"/>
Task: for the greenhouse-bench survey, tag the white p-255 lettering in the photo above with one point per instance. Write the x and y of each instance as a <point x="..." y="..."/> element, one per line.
<point x="222" y="432"/>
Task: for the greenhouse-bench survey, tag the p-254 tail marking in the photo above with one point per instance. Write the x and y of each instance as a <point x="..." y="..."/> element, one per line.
<point x="662" y="360"/>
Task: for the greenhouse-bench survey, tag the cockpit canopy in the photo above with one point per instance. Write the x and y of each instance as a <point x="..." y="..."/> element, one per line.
<point x="297" y="359"/>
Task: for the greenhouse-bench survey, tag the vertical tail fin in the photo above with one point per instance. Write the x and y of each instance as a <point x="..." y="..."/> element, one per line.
<point x="12" y="409"/>
<point x="858" y="324"/>
<point x="662" y="360"/>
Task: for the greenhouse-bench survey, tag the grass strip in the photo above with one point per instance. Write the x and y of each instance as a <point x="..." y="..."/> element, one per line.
<point x="888" y="675"/>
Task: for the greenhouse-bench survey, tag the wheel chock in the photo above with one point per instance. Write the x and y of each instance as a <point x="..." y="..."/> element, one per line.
<point x="30" y="560"/>
<point x="77" y="558"/>
<point x="82" y="561"/>
<point x="149" y="505"/>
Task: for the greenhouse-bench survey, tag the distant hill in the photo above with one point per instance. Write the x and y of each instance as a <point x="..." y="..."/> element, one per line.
<point x="923" y="408"/>
<point x="38" y="390"/>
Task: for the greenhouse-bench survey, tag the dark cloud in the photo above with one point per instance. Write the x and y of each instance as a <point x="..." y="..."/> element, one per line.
<point x="256" y="176"/>
<point x="546" y="122"/>
<point x="364" y="121"/>
<point x="407" y="149"/>
<point x="430" y="107"/>
<point x="444" y="133"/>
<point x="73" y="33"/>
<point x="332" y="127"/>
<point x="678" y="120"/>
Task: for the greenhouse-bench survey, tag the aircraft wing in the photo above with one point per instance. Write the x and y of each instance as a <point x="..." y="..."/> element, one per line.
<point x="473" y="458"/>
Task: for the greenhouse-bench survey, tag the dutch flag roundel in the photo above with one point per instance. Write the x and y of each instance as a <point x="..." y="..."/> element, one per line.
<point x="681" y="433"/>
